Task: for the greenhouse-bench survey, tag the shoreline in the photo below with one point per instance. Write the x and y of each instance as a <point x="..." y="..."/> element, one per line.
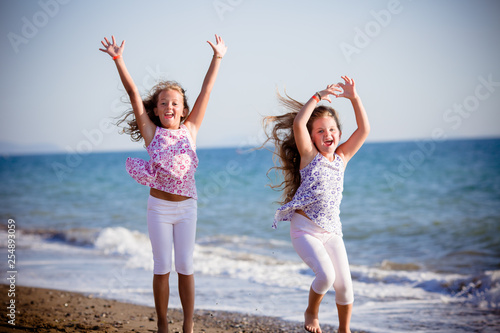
<point x="50" y="310"/>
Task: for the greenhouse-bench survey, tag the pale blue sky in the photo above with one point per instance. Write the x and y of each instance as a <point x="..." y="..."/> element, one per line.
<point x="420" y="66"/>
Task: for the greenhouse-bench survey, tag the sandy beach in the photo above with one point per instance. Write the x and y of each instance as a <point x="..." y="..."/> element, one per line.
<point x="48" y="310"/>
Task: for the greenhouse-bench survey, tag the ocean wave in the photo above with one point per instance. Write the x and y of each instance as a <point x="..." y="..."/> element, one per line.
<point x="133" y="245"/>
<point x="259" y="261"/>
<point x="481" y="290"/>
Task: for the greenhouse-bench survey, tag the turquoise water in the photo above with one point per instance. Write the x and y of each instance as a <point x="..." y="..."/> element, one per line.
<point x="421" y="223"/>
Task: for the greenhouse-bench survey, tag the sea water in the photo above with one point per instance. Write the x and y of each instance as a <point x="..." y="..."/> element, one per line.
<point x="421" y="224"/>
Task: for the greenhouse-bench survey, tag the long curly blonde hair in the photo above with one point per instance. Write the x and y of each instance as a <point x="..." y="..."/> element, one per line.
<point x="286" y="155"/>
<point x="150" y="102"/>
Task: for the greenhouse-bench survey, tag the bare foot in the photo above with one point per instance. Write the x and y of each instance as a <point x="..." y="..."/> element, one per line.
<point x="188" y="326"/>
<point x="341" y="331"/>
<point x="163" y="328"/>
<point x="311" y="322"/>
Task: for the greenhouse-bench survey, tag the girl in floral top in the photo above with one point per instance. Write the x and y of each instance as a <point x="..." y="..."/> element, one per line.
<point x="169" y="131"/>
<point x="313" y="163"/>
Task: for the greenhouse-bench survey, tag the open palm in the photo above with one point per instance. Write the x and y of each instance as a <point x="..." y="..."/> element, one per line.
<point x="112" y="48"/>
<point x="348" y="87"/>
<point x="219" y="48"/>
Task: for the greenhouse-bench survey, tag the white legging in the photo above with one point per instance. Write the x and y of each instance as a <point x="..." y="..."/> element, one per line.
<point x="325" y="253"/>
<point x="172" y="222"/>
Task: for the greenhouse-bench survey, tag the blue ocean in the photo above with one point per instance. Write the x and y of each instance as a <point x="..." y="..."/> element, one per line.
<point x="421" y="224"/>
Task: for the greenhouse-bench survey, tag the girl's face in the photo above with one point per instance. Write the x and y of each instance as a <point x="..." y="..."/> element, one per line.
<point x="325" y="135"/>
<point x="170" y="108"/>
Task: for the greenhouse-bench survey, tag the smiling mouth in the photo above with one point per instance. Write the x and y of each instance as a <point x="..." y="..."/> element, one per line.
<point x="169" y="115"/>
<point x="329" y="143"/>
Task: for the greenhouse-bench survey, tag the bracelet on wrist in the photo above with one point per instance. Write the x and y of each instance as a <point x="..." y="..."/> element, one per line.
<point x="117" y="57"/>
<point x="218" y="57"/>
<point x="315" y="98"/>
<point x="319" y="96"/>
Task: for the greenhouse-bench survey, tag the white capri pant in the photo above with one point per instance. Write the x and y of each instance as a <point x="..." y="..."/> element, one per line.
<point x="172" y="223"/>
<point x="325" y="253"/>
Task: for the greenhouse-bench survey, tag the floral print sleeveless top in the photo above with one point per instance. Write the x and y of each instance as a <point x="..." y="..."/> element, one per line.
<point x="173" y="162"/>
<point x="319" y="194"/>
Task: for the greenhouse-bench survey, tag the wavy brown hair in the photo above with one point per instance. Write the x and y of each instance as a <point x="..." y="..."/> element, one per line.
<point x="286" y="155"/>
<point x="150" y="102"/>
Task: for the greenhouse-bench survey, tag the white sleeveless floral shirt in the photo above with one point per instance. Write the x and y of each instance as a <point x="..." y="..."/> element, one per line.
<point x="319" y="194"/>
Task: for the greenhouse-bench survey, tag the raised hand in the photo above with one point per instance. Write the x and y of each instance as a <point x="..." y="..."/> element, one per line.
<point x="331" y="89"/>
<point x="219" y="48"/>
<point x="112" y="48"/>
<point x="348" y="87"/>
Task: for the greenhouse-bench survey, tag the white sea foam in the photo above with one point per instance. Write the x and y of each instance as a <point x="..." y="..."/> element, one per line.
<point x="134" y="246"/>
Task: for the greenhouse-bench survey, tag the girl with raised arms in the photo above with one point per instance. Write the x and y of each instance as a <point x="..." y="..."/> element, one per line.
<point x="169" y="131"/>
<point x="313" y="163"/>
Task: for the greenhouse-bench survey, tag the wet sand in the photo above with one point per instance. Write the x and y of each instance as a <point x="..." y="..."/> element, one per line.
<point x="46" y="310"/>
